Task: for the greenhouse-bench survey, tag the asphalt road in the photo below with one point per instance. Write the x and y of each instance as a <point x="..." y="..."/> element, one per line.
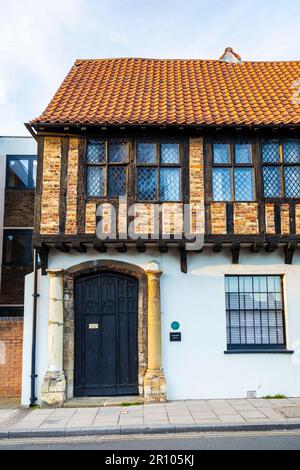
<point x="285" y="440"/>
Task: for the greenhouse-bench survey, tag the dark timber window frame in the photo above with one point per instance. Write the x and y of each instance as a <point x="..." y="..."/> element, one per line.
<point x="281" y="165"/>
<point x="31" y="159"/>
<point x="233" y="165"/>
<point x="158" y="164"/>
<point x="132" y="165"/>
<point x="28" y="255"/>
<point x="255" y="347"/>
<point x="107" y="165"/>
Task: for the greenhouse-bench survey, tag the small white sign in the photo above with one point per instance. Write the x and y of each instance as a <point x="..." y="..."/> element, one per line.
<point x="93" y="326"/>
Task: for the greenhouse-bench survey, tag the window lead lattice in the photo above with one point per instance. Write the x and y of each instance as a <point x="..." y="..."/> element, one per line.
<point x="169" y="153"/>
<point x="117" y="181"/>
<point x="271" y="152"/>
<point x="96" y="151"/>
<point x="291" y="152"/>
<point x="292" y="181"/>
<point x="243" y="153"/>
<point x="243" y="184"/>
<point x="147" y="182"/>
<point x="118" y="151"/>
<point x="221" y="153"/>
<point x="272" y="182"/>
<point x="146" y="152"/>
<point x="170" y="184"/>
<point x="95" y="181"/>
<point x="222" y="184"/>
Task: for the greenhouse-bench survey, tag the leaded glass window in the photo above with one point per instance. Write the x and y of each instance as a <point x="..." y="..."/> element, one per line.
<point x="170" y="184"/>
<point x="292" y="181"/>
<point x="221" y="153"/>
<point x="147" y="183"/>
<point x="222" y="190"/>
<point x="281" y="168"/>
<point x="107" y="161"/>
<point x="271" y="152"/>
<point x="272" y="181"/>
<point x="254" y="312"/>
<point x="232" y="172"/>
<point x="243" y="153"/>
<point x="146" y="152"/>
<point x="158" y="172"/>
<point x="243" y="184"/>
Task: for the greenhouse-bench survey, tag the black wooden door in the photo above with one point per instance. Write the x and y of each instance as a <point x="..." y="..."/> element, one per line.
<point x="106" y="353"/>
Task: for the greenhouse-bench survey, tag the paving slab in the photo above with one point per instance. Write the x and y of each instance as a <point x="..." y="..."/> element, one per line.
<point x="231" y="419"/>
<point x="181" y="420"/>
<point x="200" y="415"/>
<point x="295" y="400"/>
<point x="290" y="411"/>
<point x="261" y="403"/>
<point x="241" y="405"/>
<point x="206" y="421"/>
<point x="254" y="414"/>
<point x="203" y="415"/>
<point x="272" y="414"/>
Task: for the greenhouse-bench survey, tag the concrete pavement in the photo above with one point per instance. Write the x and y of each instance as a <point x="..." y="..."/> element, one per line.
<point x="171" y="417"/>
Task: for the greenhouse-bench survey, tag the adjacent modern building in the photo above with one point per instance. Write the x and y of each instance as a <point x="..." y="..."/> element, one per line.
<point x="17" y="188"/>
<point x="167" y="223"/>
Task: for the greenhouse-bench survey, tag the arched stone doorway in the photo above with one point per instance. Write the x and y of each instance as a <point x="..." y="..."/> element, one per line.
<point x="90" y="268"/>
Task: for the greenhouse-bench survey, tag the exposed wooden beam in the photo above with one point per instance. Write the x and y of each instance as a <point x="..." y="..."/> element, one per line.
<point x="289" y="251"/>
<point x="62" y="247"/>
<point x="217" y="247"/>
<point x="140" y="246"/>
<point x="272" y="246"/>
<point x="257" y="247"/>
<point x="163" y="247"/>
<point x="235" y="250"/>
<point x="121" y="248"/>
<point x="183" y="259"/>
<point x="99" y="246"/>
<point x="78" y="246"/>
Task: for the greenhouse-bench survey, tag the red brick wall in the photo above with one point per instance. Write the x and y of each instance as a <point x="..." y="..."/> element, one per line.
<point x="12" y="284"/>
<point x="19" y="208"/>
<point x="11" y="339"/>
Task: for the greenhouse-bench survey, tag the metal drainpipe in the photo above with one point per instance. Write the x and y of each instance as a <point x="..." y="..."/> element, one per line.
<point x="35" y="296"/>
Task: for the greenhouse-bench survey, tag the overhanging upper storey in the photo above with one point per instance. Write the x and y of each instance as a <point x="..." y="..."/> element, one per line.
<point x="166" y="151"/>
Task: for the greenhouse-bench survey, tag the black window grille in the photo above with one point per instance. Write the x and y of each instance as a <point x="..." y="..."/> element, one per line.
<point x="255" y="312"/>
<point x="158" y="171"/>
<point x="232" y="172"/>
<point x="281" y="168"/>
<point x="107" y="167"/>
<point x="21" y="171"/>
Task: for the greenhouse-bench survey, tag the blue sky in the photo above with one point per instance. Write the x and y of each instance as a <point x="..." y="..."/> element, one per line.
<point x="41" y="39"/>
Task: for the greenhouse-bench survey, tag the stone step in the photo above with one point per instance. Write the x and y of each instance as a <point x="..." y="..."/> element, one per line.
<point x="91" y="402"/>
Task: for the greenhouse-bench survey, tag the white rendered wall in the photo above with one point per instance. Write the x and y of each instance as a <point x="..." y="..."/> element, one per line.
<point x="197" y="367"/>
<point x="41" y="337"/>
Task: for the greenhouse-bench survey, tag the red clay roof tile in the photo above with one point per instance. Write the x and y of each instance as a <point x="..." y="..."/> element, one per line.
<point x="154" y="91"/>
